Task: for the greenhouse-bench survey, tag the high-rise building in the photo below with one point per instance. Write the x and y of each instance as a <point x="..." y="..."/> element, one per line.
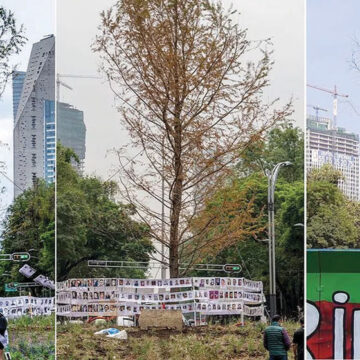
<point x="337" y="147"/>
<point x="29" y="125"/>
<point x="71" y="131"/>
<point x="35" y="128"/>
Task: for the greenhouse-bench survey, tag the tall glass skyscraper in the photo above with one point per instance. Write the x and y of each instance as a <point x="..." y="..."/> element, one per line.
<point x="34" y="120"/>
<point x="37" y="86"/>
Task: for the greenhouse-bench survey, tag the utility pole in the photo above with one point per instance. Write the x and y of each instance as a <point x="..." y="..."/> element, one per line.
<point x="272" y="177"/>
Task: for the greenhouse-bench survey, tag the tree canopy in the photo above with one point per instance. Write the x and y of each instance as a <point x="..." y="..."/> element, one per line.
<point x="91" y="225"/>
<point x="332" y="220"/>
<point x="29" y="225"/>
<point x="249" y="186"/>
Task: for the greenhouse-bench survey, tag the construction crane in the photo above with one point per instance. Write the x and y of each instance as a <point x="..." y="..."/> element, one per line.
<point x="335" y="96"/>
<point x="59" y="82"/>
<point x="317" y="109"/>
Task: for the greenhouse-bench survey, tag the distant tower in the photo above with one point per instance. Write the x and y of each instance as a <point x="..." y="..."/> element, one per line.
<point x="38" y="86"/>
<point x="71" y="131"/>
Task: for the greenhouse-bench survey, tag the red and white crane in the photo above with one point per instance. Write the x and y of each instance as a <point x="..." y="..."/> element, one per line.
<point x="335" y="94"/>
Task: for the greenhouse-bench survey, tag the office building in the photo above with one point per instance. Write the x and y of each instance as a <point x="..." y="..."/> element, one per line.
<point x="71" y="131"/>
<point x="34" y="120"/>
<point x="38" y="86"/>
<point x="337" y="147"/>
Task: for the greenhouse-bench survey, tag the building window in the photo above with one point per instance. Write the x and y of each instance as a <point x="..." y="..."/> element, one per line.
<point x="33" y="104"/>
<point x="33" y="160"/>
<point x="33" y="177"/>
<point x="33" y="141"/>
<point x="33" y="122"/>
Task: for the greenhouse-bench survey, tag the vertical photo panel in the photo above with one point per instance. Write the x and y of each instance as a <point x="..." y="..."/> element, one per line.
<point x="27" y="179"/>
<point x="332" y="170"/>
<point x="180" y="179"/>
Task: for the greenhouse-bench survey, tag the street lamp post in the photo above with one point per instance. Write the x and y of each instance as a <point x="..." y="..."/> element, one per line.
<point x="272" y="176"/>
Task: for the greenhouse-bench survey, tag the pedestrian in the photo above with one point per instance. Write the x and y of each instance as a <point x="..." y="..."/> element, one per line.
<point x="276" y="340"/>
<point x="3" y="335"/>
<point x="298" y="342"/>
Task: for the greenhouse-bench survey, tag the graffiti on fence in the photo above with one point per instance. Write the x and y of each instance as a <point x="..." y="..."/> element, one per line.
<point x="333" y="304"/>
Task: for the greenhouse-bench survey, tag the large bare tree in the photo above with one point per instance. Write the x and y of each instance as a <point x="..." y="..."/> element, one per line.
<point x="190" y="89"/>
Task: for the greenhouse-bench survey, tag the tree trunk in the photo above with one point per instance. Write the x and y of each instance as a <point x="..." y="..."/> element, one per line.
<point x="176" y="196"/>
<point x="176" y="200"/>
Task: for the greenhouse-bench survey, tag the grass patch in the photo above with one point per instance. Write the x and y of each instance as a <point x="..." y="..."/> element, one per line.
<point x="32" y="338"/>
<point x="215" y="342"/>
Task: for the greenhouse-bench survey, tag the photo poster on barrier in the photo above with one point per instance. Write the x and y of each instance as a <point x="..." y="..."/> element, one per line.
<point x="114" y="297"/>
<point x="14" y="307"/>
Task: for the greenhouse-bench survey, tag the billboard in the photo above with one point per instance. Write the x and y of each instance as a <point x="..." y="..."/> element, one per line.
<point x="333" y="304"/>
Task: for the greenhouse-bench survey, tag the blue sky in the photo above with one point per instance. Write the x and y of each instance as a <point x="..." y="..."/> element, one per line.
<point x="332" y="26"/>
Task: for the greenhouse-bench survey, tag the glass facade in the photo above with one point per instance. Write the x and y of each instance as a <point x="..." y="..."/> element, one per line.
<point x="50" y="140"/>
<point x="71" y="130"/>
<point x="18" y="78"/>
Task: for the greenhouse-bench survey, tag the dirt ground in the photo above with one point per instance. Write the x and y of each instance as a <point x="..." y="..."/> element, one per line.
<point x="77" y="341"/>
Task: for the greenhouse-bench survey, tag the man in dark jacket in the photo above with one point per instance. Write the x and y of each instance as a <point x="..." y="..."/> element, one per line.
<point x="276" y="340"/>
<point x="298" y="342"/>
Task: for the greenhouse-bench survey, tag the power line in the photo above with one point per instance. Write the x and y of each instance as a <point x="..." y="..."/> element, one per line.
<point x="13" y="182"/>
<point x="141" y="151"/>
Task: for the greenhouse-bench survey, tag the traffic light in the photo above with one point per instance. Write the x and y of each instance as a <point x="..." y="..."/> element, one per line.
<point x="232" y="268"/>
<point x="20" y="256"/>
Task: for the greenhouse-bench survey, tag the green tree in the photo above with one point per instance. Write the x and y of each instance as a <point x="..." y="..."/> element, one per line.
<point x="251" y="251"/>
<point x="282" y="143"/>
<point x="29" y="225"/>
<point x="330" y="224"/>
<point x="92" y="225"/>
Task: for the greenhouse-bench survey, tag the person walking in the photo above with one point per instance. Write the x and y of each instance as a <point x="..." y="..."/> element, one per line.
<point x="276" y="340"/>
<point x="3" y="335"/>
<point x="298" y="342"/>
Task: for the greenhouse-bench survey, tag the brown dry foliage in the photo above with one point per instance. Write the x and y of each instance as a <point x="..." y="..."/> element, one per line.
<point x="191" y="97"/>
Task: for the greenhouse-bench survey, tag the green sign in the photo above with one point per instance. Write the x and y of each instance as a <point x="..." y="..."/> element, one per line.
<point x="11" y="287"/>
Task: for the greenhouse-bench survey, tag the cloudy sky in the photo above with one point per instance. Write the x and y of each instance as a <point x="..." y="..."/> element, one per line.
<point x="263" y="18"/>
<point x="77" y="24"/>
<point x="332" y="27"/>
